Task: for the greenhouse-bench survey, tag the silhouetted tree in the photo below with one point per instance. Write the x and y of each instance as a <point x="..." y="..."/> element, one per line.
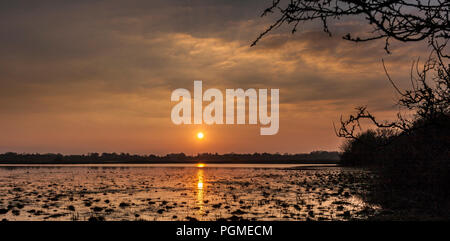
<point x="405" y="21"/>
<point x="411" y="155"/>
<point x="429" y="101"/>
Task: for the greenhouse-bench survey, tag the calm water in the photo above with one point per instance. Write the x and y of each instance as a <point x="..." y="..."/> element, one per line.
<point x="183" y="192"/>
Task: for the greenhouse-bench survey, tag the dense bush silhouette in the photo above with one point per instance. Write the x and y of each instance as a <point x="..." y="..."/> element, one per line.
<point x="413" y="167"/>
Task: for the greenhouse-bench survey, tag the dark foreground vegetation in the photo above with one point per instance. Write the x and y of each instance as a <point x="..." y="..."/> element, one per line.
<point x="315" y="157"/>
<point x="413" y="168"/>
<point x="410" y="154"/>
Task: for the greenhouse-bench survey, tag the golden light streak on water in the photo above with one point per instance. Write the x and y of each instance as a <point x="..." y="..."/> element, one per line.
<point x="200" y="190"/>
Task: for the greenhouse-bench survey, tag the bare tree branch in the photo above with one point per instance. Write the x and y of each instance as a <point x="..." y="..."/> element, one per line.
<point x="403" y="20"/>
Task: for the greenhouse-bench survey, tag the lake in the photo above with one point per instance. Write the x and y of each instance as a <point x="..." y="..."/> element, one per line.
<point x="184" y="192"/>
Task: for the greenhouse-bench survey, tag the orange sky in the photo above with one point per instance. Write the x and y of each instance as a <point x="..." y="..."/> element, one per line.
<point x="96" y="76"/>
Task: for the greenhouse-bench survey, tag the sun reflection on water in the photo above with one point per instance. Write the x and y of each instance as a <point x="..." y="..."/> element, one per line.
<point x="200" y="190"/>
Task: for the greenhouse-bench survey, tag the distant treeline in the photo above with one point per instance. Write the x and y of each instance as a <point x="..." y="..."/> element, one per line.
<point x="320" y="157"/>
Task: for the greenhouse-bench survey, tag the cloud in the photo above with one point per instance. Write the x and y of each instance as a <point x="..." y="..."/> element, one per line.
<point x="106" y="69"/>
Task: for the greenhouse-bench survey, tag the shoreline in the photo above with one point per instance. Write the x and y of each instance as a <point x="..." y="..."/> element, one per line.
<point x="287" y="166"/>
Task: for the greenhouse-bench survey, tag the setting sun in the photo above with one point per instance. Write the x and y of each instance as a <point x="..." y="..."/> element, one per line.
<point x="200" y="135"/>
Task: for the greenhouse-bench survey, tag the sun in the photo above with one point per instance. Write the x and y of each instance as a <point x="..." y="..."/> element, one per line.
<point x="200" y="135"/>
